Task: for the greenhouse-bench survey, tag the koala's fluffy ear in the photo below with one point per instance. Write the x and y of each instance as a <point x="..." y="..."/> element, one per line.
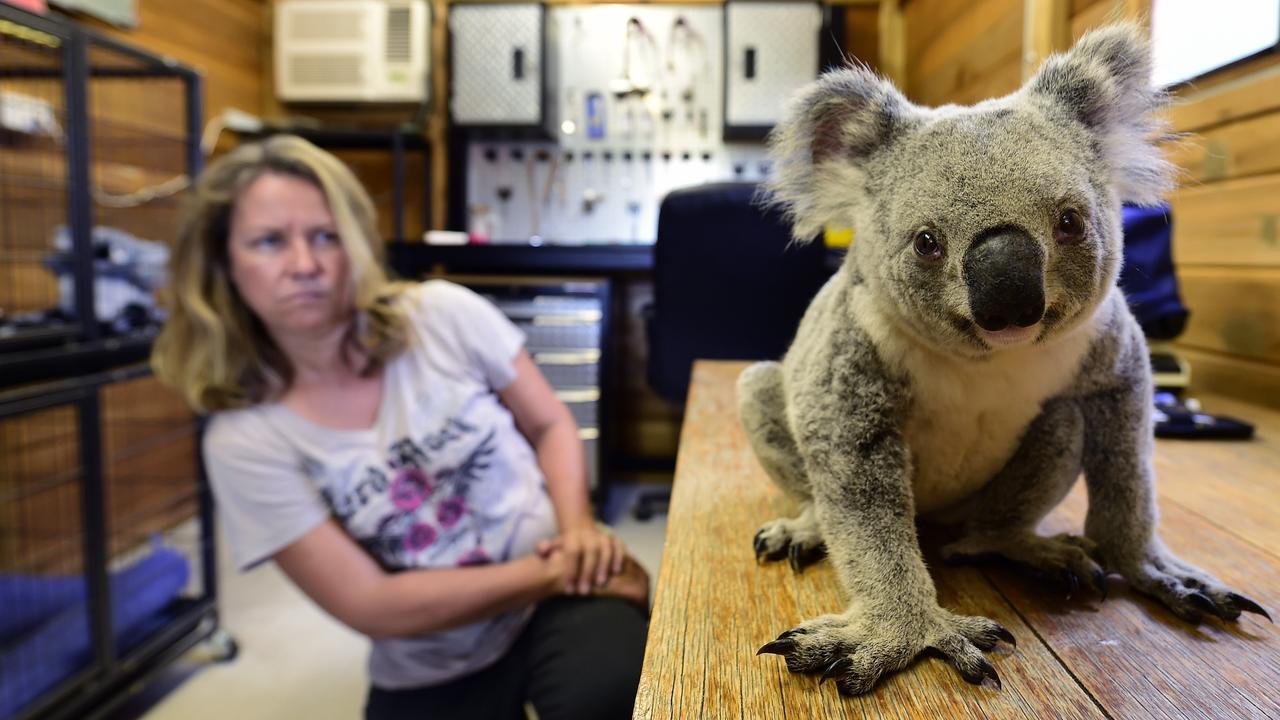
<point x="843" y="116"/>
<point x="1104" y="82"/>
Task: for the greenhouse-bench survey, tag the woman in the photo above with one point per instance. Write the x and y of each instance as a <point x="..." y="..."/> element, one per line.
<point x="395" y="451"/>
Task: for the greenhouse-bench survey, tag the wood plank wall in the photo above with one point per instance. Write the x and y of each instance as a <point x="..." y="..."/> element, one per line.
<point x="1226" y="229"/>
<point x="962" y="52"/>
<point x="226" y="40"/>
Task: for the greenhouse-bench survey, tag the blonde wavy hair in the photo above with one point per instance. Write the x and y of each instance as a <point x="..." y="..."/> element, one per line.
<point x="213" y="349"/>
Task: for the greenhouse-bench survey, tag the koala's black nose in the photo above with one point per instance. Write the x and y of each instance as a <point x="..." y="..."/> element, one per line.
<point x="1004" y="271"/>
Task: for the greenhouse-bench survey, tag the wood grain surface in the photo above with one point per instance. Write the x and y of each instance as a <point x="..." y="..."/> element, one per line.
<point x="1079" y="658"/>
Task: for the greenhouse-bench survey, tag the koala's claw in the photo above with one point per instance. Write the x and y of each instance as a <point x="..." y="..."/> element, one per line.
<point x="801" y="556"/>
<point x="1067" y="561"/>
<point x="1206" y="603"/>
<point x="1247" y="605"/>
<point x="1005" y="635"/>
<point x="763" y="552"/>
<point x="1071" y="581"/>
<point x="795" y="539"/>
<point x="839" y="666"/>
<point x="856" y="652"/>
<point x="989" y="672"/>
<point x="1188" y="592"/>
<point x="976" y="672"/>
<point x="780" y="646"/>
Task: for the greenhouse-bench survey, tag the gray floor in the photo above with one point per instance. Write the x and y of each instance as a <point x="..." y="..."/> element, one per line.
<point x="294" y="660"/>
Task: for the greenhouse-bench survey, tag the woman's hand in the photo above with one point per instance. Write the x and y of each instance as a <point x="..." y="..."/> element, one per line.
<point x="592" y="553"/>
<point x="632" y="585"/>
<point x="630" y="582"/>
<point x="598" y="554"/>
<point x="559" y="572"/>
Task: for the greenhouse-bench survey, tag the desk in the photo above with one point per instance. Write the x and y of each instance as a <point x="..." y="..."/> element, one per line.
<point x="1123" y="658"/>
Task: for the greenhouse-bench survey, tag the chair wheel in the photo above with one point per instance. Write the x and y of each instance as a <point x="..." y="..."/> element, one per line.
<point x="222" y="647"/>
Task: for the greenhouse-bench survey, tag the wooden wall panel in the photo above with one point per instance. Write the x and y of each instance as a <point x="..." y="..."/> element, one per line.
<point x="1230" y="223"/>
<point x="1250" y="380"/>
<point x="862" y="34"/>
<point x="1234" y="150"/>
<point x="1240" y="98"/>
<point x="1088" y="14"/>
<point x="1226" y="221"/>
<point x="1235" y="311"/>
<point x="223" y="39"/>
<point x="962" y="53"/>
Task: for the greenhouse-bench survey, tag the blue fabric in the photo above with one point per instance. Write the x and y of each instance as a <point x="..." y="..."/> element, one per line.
<point x="29" y="600"/>
<point x="61" y="644"/>
<point x="1148" y="278"/>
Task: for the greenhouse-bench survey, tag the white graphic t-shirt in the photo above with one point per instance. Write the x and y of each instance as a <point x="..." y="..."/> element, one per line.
<point x="443" y="479"/>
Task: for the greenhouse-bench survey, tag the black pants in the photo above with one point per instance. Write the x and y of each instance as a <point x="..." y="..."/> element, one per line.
<point x="578" y="659"/>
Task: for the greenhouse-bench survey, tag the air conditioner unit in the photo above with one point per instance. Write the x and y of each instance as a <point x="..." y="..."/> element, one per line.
<point x="352" y="50"/>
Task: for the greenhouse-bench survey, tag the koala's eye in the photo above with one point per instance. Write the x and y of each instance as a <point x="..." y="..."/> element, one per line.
<point x="1070" y="227"/>
<point x="927" y="246"/>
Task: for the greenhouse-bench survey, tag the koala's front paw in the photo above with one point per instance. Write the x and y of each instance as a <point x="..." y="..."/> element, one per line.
<point x="1067" y="560"/>
<point x="1185" y="589"/>
<point x="796" y="539"/>
<point x="858" y="649"/>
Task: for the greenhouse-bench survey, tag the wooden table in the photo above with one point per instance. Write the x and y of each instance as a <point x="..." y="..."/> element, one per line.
<point x="1123" y="658"/>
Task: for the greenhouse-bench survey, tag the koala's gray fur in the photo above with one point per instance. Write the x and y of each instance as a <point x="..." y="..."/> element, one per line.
<point x="901" y="394"/>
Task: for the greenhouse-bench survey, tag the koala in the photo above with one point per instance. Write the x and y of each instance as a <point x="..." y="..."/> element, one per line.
<point x="972" y="355"/>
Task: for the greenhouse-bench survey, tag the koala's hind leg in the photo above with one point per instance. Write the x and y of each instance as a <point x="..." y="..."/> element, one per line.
<point x="762" y="409"/>
<point x="1003" y="515"/>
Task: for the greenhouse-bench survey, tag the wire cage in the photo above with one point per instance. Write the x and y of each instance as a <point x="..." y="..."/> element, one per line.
<point x="106" y="554"/>
<point x="106" y="557"/>
<point x="100" y="144"/>
<point x="35" y="72"/>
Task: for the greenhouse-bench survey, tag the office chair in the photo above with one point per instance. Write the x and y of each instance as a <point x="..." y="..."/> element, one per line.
<point x="728" y="284"/>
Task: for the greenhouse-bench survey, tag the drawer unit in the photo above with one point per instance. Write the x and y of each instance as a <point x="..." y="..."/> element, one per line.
<point x="564" y="325"/>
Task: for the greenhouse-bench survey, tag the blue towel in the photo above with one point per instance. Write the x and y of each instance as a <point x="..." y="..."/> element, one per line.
<point x="61" y="643"/>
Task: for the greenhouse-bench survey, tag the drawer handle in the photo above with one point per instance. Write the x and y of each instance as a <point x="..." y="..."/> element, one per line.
<point x="584" y="357"/>
<point x="749" y="63"/>
<point x="517" y="64"/>
<point x="585" y="317"/>
<point x="585" y="395"/>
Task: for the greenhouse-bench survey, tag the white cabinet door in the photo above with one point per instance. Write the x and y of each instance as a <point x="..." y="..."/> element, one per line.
<point x="771" y="51"/>
<point x="497" y="64"/>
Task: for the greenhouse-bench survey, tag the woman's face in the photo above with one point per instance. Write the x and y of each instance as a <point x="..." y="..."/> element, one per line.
<point x="286" y="258"/>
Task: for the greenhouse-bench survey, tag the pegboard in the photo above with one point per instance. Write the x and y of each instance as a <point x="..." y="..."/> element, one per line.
<point x="638" y="104"/>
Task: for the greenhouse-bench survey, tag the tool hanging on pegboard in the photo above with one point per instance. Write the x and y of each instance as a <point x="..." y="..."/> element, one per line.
<point x="638" y="106"/>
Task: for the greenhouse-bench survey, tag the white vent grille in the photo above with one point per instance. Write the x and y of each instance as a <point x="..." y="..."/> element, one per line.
<point x="351" y="50"/>
<point x="322" y="25"/>
<point x="398" y="34"/>
<point x="310" y="70"/>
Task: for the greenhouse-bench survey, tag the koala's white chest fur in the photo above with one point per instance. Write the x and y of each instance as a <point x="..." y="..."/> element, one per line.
<point x="967" y="417"/>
